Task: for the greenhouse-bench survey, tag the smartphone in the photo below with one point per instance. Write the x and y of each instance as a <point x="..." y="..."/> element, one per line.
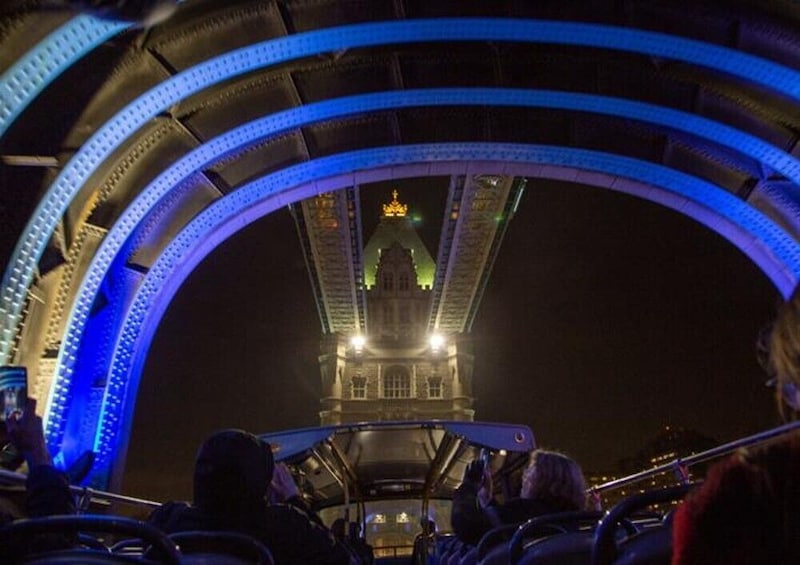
<point x="13" y="390"/>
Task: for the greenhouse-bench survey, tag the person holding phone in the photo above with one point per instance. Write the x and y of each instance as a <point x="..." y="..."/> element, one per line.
<point x="47" y="488"/>
<point x="552" y="482"/>
<point x="13" y="405"/>
<point x="13" y="390"/>
<point x="13" y="396"/>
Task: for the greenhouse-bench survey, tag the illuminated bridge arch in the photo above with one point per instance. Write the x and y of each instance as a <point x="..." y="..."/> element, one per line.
<point x="222" y="219"/>
<point x="173" y="168"/>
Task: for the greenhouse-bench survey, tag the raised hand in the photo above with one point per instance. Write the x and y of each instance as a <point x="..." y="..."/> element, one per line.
<point x="26" y="432"/>
<point x="283" y="486"/>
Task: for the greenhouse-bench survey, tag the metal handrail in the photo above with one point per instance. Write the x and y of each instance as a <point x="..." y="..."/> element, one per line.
<point x="684" y="462"/>
<point x="89" y="494"/>
<point x="85" y="493"/>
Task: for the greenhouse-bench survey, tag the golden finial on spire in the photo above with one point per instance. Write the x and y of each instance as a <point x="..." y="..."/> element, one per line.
<point x="394" y="208"/>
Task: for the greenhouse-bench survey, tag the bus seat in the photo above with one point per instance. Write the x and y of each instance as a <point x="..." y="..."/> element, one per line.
<point x="82" y="556"/>
<point x="446" y="548"/>
<point x="470" y="557"/>
<point x="498" y="555"/>
<point x="571" y="548"/>
<point x="649" y="547"/>
<point x="18" y="540"/>
<point x="225" y="548"/>
<point x="457" y="554"/>
<point x="651" y="543"/>
<point x="493" y="547"/>
<point x="549" y="530"/>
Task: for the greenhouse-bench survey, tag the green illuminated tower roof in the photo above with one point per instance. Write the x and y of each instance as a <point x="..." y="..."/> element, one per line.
<point x="396" y="226"/>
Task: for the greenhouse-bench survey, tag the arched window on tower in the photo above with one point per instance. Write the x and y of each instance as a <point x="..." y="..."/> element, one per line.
<point x="396" y="383"/>
<point x="388" y="282"/>
<point x="402" y="281"/>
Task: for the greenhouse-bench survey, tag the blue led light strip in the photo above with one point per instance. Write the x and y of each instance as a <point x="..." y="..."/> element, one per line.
<point x="19" y="273"/>
<point x="302" y="116"/>
<point x="40" y="66"/>
<point x="228" y="214"/>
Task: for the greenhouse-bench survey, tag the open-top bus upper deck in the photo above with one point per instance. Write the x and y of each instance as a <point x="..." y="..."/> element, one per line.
<point x="369" y="461"/>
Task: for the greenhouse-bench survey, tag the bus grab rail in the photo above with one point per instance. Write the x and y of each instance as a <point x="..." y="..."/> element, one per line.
<point x="84" y="493"/>
<point x="87" y="494"/>
<point x="681" y="463"/>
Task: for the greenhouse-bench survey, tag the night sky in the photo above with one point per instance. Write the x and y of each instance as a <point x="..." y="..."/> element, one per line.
<point x="606" y="318"/>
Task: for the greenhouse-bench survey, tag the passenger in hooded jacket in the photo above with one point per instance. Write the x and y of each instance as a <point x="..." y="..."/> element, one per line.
<point x="233" y="471"/>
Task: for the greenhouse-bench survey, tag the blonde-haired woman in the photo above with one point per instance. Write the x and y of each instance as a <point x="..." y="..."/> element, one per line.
<point x="554" y="478"/>
<point x="784" y="357"/>
<point x="552" y="482"/>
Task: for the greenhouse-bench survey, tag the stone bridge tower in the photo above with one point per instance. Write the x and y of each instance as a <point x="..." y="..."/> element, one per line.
<point x="396" y="322"/>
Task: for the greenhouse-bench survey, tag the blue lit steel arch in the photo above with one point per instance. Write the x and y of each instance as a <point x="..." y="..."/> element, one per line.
<point x="615" y="32"/>
<point x="19" y="273"/>
<point x="62" y="392"/>
<point x="691" y="196"/>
